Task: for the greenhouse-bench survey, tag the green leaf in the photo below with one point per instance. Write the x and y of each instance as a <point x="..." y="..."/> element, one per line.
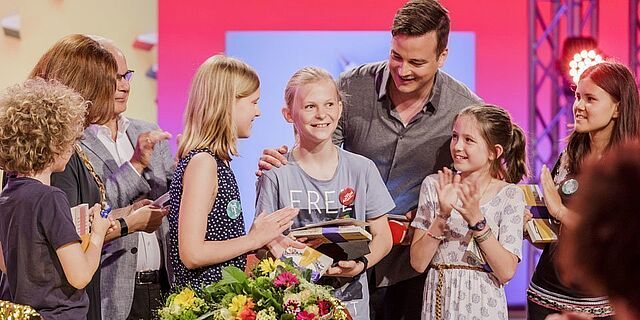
<point x="287" y="316"/>
<point x="232" y="274"/>
<point x="306" y="274"/>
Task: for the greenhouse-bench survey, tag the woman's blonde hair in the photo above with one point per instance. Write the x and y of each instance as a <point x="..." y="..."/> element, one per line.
<point x="84" y="65"/>
<point x="39" y="120"/>
<point x="208" y="122"/>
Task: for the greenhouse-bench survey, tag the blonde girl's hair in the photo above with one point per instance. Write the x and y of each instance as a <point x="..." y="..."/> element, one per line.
<point x="304" y="76"/>
<point x="496" y="127"/>
<point x="208" y="121"/>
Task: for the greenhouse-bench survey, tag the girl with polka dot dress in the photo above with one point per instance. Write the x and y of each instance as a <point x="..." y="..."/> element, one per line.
<point x="468" y="227"/>
<point x="206" y="225"/>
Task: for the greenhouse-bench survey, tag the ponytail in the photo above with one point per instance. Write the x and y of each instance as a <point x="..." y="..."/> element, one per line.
<point x="497" y="128"/>
<point x="515" y="156"/>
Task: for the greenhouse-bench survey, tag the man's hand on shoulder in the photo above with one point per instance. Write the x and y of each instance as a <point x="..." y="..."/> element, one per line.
<point x="272" y="158"/>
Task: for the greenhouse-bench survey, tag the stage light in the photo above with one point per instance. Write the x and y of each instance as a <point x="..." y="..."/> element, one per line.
<point x="579" y="53"/>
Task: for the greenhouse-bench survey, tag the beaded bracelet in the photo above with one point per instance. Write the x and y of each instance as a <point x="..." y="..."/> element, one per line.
<point x="481" y="238"/>
<point x="439" y="238"/>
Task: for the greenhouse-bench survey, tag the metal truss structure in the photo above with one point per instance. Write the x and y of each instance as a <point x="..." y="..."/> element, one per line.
<point x="550" y="23"/>
<point x="550" y="103"/>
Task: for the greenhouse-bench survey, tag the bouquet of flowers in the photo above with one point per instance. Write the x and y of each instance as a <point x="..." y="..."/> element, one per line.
<point x="274" y="290"/>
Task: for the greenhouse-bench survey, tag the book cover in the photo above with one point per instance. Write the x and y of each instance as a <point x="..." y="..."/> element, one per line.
<point x="534" y="199"/>
<point x="340" y="239"/>
<point x="542" y="230"/>
<point x="333" y="234"/>
<point x="345" y="250"/>
<point x="309" y="258"/>
<point x="532" y="195"/>
<point x="80" y="218"/>
<point x="334" y="223"/>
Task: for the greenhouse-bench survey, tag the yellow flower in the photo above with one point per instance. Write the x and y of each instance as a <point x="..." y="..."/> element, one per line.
<point x="237" y="303"/>
<point x="269" y="265"/>
<point x="305" y="295"/>
<point x="186" y="298"/>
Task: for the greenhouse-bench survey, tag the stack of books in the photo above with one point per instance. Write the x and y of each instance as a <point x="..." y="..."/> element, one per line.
<point x="542" y="228"/>
<point x="340" y="239"/>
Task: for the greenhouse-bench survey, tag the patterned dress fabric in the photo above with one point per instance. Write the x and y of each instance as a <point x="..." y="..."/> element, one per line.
<point x="469" y="294"/>
<point x="224" y="222"/>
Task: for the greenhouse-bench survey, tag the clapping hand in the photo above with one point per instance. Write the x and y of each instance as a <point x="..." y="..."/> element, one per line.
<point x="470" y="200"/>
<point x="144" y="148"/>
<point x="447" y="189"/>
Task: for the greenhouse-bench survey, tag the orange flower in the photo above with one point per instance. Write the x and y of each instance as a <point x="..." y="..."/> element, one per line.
<point x="246" y="314"/>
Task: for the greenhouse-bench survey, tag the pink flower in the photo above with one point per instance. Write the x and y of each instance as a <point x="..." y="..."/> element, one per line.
<point x="305" y="316"/>
<point x="286" y="279"/>
<point x="324" y="306"/>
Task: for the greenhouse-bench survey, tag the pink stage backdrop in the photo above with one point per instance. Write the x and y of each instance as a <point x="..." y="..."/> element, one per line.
<point x="192" y="31"/>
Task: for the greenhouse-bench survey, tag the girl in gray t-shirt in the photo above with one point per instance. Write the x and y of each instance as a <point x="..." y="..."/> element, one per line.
<point x="325" y="182"/>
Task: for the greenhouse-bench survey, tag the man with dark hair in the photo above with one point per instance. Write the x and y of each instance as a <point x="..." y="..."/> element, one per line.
<point x="417" y="18"/>
<point x="399" y="114"/>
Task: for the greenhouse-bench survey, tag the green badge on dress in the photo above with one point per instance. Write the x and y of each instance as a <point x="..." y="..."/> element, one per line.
<point x="234" y="209"/>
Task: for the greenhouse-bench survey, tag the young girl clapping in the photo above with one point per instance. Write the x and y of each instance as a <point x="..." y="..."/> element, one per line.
<point x="480" y="203"/>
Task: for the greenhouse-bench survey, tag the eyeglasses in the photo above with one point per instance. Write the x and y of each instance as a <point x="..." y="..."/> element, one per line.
<point x="127" y="75"/>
